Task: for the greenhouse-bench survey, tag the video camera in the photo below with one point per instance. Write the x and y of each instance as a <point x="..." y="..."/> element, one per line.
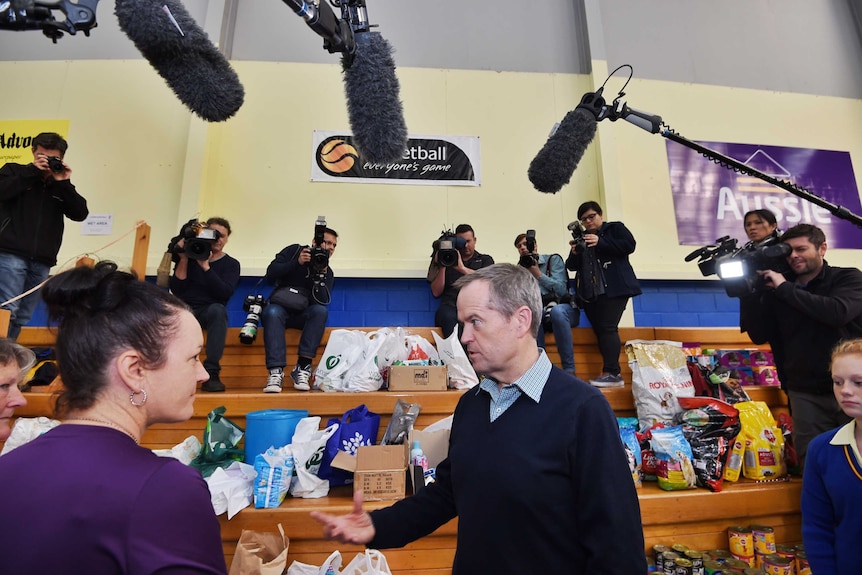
<point x="319" y="254"/>
<point x="578" y="236"/>
<point x="530" y="258"/>
<point x="737" y="267"/>
<point x="446" y="247"/>
<point x="198" y="240"/>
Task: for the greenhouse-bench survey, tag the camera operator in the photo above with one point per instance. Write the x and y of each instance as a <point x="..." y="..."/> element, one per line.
<point x="559" y="312"/>
<point x="206" y="285"/>
<point x="299" y="300"/>
<point x="604" y="283"/>
<point x="442" y="278"/>
<point x="34" y="199"/>
<point x="803" y="316"/>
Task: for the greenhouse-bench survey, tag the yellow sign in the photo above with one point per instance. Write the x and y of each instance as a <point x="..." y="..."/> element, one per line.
<point x="16" y="137"/>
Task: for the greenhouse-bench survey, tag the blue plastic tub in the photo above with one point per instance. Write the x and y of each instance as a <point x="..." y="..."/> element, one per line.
<point x="269" y="428"/>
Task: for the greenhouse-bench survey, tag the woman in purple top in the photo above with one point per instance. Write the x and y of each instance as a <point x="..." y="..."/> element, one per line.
<point x="85" y="497"/>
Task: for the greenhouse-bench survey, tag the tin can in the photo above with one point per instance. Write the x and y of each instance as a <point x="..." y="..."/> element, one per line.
<point x="683" y="567"/>
<point x="752" y="571"/>
<point x="679" y="549"/>
<point x="741" y="541"/>
<point x="668" y="562"/>
<point x="739" y="563"/>
<point x="802" y="567"/>
<point x="696" y="558"/>
<point x="764" y="539"/>
<point x="658" y="552"/>
<point x="719" y="555"/>
<point x="711" y="567"/>
<point x="777" y="565"/>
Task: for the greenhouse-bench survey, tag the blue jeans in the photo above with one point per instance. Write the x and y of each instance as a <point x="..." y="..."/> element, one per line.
<point x="18" y="275"/>
<point x="564" y="317"/>
<point x="275" y="319"/>
<point x="213" y="318"/>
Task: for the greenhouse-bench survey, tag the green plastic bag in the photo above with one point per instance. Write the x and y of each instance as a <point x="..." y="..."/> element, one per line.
<point x="219" y="447"/>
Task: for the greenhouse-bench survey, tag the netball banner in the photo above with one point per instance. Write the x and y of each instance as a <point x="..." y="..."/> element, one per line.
<point x="428" y="160"/>
<point x="710" y="200"/>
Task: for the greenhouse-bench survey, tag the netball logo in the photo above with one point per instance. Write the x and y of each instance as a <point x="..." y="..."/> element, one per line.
<point x="335" y="156"/>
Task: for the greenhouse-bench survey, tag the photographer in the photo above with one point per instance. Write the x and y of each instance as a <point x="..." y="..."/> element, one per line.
<point x="34" y="199"/>
<point x="559" y="312"/>
<point x="604" y="283"/>
<point x="206" y="285"/>
<point x="469" y="260"/>
<point x="303" y="287"/>
<point x="802" y="316"/>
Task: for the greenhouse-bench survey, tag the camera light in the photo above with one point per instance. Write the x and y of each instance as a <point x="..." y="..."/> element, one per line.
<point x="731" y="269"/>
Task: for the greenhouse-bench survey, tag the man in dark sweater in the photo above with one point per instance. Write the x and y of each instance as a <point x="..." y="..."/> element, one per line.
<point x="536" y="472"/>
<point x="206" y="285"/>
<point x="802" y="317"/>
<point x="34" y="200"/>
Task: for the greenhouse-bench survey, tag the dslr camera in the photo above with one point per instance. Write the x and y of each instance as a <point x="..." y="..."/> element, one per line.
<point x="447" y="247"/>
<point x="737" y="267"/>
<point x="580" y="244"/>
<point x="319" y="254"/>
<point x="530" y="258"/>
<point x="253" y="305"/>
<point x="198" y="241"/>
<point x="55" y="163"/>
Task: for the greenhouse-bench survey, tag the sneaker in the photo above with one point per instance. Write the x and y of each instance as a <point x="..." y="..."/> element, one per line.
<point x="608" y="380"/>
<point x="301" y="377"/>
<point x="273" y="384"/>
<point x="213" y="385"/>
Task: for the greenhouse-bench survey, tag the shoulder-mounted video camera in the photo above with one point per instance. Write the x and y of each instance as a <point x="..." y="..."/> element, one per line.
<point x="447" y="247"/>
<point x="530" y="258"/>
<point x="577" y="230"/>
<point x="198" y="241"/>
<point x="319" y="254"/>
<point x="737" y="267"/>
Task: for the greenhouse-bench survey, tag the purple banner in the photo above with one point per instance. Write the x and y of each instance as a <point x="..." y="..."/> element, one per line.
<point x="710" y="200"/>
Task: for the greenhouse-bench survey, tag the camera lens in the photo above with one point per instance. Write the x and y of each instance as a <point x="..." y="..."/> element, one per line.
<point x="55" y="164"/>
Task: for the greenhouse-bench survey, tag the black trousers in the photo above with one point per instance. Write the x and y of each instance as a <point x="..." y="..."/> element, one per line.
<point x="604" y="315"/>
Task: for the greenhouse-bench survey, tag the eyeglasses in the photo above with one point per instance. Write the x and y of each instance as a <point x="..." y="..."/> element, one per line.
<point x="588" y="218"/>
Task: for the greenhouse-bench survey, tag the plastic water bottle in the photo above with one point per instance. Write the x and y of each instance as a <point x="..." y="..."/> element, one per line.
<point x="417" y="457"/>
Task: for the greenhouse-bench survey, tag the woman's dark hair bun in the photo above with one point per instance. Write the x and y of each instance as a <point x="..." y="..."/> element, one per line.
<point x="85" y="290"/>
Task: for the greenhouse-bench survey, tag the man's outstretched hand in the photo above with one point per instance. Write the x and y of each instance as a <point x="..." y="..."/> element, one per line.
<point x="354" y="528"/>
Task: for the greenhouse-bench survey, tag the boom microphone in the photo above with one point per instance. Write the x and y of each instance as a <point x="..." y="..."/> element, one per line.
<point x="373" y="106"/>
<point x="180" y="51"/>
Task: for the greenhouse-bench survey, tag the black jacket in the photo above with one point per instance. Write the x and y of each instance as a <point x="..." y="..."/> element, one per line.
<point x="615" y="244"/>
<point x="32" y="211"/>
<point x="803" y="324"/>
<point x="285" y="270"/>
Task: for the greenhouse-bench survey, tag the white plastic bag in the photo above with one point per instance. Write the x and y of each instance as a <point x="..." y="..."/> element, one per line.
<point x="413" y="340"/>
<point x="343" y="349"/>
<point x="659" y="377"/>
<point x="452" y="354"/>
<point x="364" y="373"/>
<point x="231" y="489"/>
<point x="27" y="429"/>
<point x="309" y="444"/>
<point x="372" y="562"/>
<point x="330" y="567"/>
<point x="393" y="346"/>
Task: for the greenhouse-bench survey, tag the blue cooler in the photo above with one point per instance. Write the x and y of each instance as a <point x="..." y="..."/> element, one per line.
<point x="269" y="428"/>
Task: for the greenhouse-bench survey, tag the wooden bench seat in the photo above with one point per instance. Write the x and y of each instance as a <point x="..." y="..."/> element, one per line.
<point x="697" y="518"/>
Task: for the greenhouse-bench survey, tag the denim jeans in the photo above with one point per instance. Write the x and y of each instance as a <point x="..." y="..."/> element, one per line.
<point x="563" y="318"/>
<point x="213" y="318"/>
<point x="18" y="275"/>
<point x="275" y="319"/>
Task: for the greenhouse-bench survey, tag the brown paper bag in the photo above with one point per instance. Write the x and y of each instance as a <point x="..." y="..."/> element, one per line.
<point x="260" y="553"/>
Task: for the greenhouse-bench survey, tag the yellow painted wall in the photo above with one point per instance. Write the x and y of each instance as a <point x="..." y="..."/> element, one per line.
<point x="138" y="153"/>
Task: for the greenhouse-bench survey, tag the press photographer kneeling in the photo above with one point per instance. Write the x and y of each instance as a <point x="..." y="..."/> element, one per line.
<point x="206" y="285"/>
<point x="560" y="315"/>
<point x="303" y="281"/>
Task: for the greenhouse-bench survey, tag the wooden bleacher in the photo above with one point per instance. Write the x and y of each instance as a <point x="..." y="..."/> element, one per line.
<point x="697" y="518"/>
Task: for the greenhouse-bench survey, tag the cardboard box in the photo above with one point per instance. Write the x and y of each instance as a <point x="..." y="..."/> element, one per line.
<point x="418" y="378"/>
<point x="380" y="471"/>
<point x="734" y="358"/>
<point x="435" y="447"/>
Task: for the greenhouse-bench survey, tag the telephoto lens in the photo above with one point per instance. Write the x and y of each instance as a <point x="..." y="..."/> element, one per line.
<point x="253" y="304"/>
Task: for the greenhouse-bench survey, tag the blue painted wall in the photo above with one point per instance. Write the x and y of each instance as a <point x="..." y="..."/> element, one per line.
<point x="358" y="302"/>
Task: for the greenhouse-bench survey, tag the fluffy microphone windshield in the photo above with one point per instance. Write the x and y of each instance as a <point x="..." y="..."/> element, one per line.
<point x="182" y="54"/>
<point x="373" y="106"/>
<point x="553" y="166"/>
